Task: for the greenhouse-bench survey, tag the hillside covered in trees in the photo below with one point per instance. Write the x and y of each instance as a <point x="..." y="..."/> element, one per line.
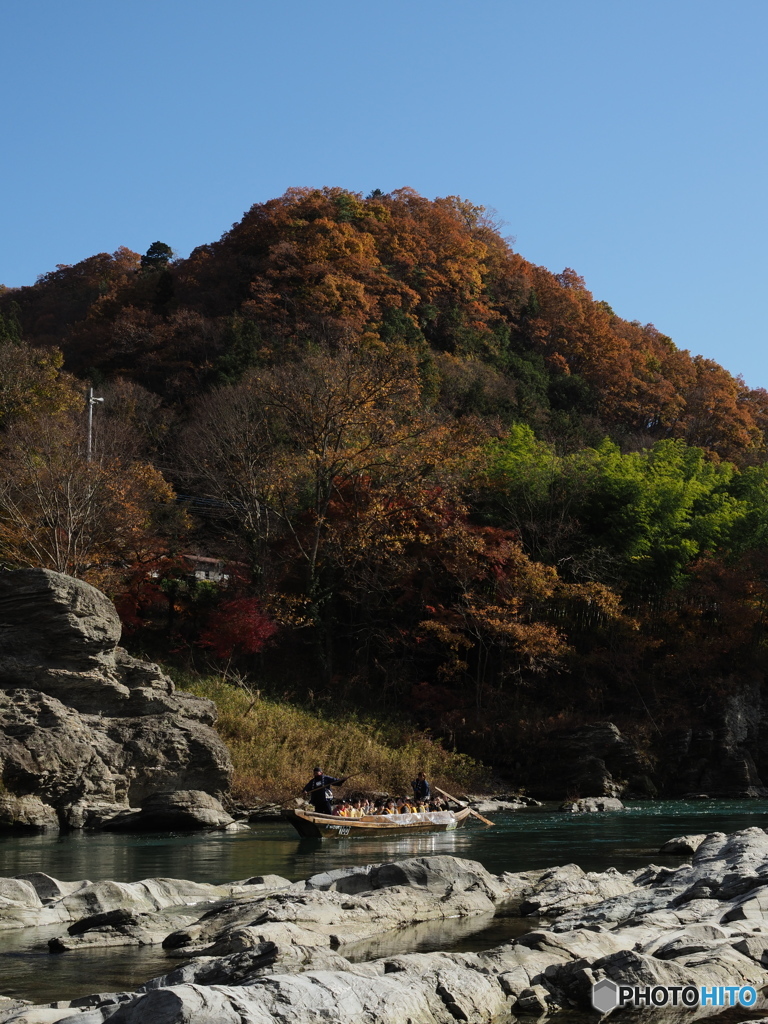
<point x="441" y="481"/>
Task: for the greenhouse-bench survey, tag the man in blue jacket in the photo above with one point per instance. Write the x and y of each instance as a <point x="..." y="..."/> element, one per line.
<point x="421" y="790"/>
<point x="318" y="790"/>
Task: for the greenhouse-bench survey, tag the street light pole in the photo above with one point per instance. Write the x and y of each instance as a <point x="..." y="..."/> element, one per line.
<point x="91" y="402"/>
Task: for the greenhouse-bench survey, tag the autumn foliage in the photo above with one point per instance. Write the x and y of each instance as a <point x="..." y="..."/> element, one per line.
<point x="237" y="627"/>
<point x="451" y="482"/>
<point x="328" y="267"/>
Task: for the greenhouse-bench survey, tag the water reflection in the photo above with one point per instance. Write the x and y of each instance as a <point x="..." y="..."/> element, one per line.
<point x="29" y="971"/>
<point x="272" y="848"/>
<point x="452" y="935"/>
<point x="314" y="855"/>
<point x="534" y="838"/>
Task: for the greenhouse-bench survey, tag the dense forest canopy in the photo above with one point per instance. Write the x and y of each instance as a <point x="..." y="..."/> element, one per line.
<point x="442" y="478"/>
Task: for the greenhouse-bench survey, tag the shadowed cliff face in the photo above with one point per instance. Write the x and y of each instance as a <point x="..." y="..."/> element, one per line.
<point x="725" y="757"/>
<point x="88" y="733"/>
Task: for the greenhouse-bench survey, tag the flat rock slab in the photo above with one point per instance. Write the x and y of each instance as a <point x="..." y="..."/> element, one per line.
<point x="593" y="804"/>
<point x="496" y="806"/>
<point x="684" y="844"/>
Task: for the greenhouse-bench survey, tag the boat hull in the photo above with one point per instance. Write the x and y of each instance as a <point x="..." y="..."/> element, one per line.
<point x="329" y="826"/>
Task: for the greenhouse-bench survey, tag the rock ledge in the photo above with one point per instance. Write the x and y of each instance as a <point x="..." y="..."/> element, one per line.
<point x="88" y="734"/>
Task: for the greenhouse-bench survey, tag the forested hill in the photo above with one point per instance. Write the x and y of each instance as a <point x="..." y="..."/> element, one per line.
<point x="496" y="333"/>
<point x="444" y="481"/>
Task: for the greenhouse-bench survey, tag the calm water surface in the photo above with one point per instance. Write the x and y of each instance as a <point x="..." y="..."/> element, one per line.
<point x="534" y="838"/>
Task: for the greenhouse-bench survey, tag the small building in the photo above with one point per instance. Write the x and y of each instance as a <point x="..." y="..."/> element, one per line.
<point x="204" y="568"/>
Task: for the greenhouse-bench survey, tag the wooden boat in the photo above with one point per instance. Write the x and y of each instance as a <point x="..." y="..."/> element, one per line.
<point x="331" y="826"/>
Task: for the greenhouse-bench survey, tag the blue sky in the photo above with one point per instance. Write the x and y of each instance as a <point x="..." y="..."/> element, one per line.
<point x="626" y="140"/>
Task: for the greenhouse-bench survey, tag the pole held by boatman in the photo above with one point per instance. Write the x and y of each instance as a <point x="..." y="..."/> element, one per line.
<point x="319" y="792"/>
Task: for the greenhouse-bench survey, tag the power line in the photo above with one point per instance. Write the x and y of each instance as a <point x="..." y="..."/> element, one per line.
<point x="210" y="507"/>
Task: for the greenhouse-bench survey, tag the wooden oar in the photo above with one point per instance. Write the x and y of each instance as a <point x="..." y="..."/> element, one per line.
<point x="471" y="810"/>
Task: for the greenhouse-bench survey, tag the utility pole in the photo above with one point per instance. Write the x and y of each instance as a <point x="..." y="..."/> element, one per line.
<point x="91" y="402"/>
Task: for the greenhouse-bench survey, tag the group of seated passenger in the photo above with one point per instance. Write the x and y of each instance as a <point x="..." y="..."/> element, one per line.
<point x="398" y="805"/>
<point x="352" y="808"/>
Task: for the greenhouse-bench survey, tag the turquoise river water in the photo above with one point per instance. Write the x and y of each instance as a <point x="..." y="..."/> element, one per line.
<point x="533" y="838"/>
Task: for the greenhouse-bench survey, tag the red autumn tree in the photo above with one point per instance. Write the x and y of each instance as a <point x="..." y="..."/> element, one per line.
<point x="237" y="627"/>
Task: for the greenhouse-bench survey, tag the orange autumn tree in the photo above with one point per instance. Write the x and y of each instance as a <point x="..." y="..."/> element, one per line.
<point x="328" y="265"/>
<point x="500" y="616"/>
<point x="69" y="294"/>
<point x="330" y="466"/>
<point x="60" y="511"/>
<point x="286" y="443"/>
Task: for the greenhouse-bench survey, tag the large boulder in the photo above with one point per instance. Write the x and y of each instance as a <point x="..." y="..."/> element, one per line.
<point x="49" y="618"/>
<point x="432" y="873"/>
<point x="88" y="733"/>
<point x="684" y="845"/>
<point x="58" y="635"/>
<point x="183" y="809"/>
<point x="27" y="812"/>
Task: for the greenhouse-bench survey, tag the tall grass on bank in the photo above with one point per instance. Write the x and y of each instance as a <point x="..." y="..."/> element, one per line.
<point x="274" y="747"/>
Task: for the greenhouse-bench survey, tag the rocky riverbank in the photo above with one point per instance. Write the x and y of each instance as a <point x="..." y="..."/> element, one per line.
<point x="89" y="736"/>
<point x="266" y="950"/>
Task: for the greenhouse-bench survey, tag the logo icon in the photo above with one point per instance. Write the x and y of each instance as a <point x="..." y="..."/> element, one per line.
<point x="605" y="996"/>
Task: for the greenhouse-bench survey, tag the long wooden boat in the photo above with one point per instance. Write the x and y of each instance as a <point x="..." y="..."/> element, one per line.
<point x="331" y="826"/>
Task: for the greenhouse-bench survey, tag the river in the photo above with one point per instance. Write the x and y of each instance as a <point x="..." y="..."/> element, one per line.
<point x="533" y="838"/>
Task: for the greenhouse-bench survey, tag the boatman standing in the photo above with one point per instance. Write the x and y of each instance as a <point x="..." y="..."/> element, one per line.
<point x="421" y="791"/>
<point x="318" y="790"/>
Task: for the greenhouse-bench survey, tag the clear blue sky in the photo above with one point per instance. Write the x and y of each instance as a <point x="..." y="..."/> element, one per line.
<point x="626" y="140"/>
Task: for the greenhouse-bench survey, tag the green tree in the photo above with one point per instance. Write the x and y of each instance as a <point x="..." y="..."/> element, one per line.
<point x="157" y="256"/>
<point x="658" y="509"/>
<point x="535" y="491"/>
<point x="750" y="531"/>
<point x="10" y="324"/>
<point x="635" y="519"/>
<point x="242" y="345"/>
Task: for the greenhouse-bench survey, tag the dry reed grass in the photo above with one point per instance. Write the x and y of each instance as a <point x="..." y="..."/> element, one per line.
<point x="274" y="747"/>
